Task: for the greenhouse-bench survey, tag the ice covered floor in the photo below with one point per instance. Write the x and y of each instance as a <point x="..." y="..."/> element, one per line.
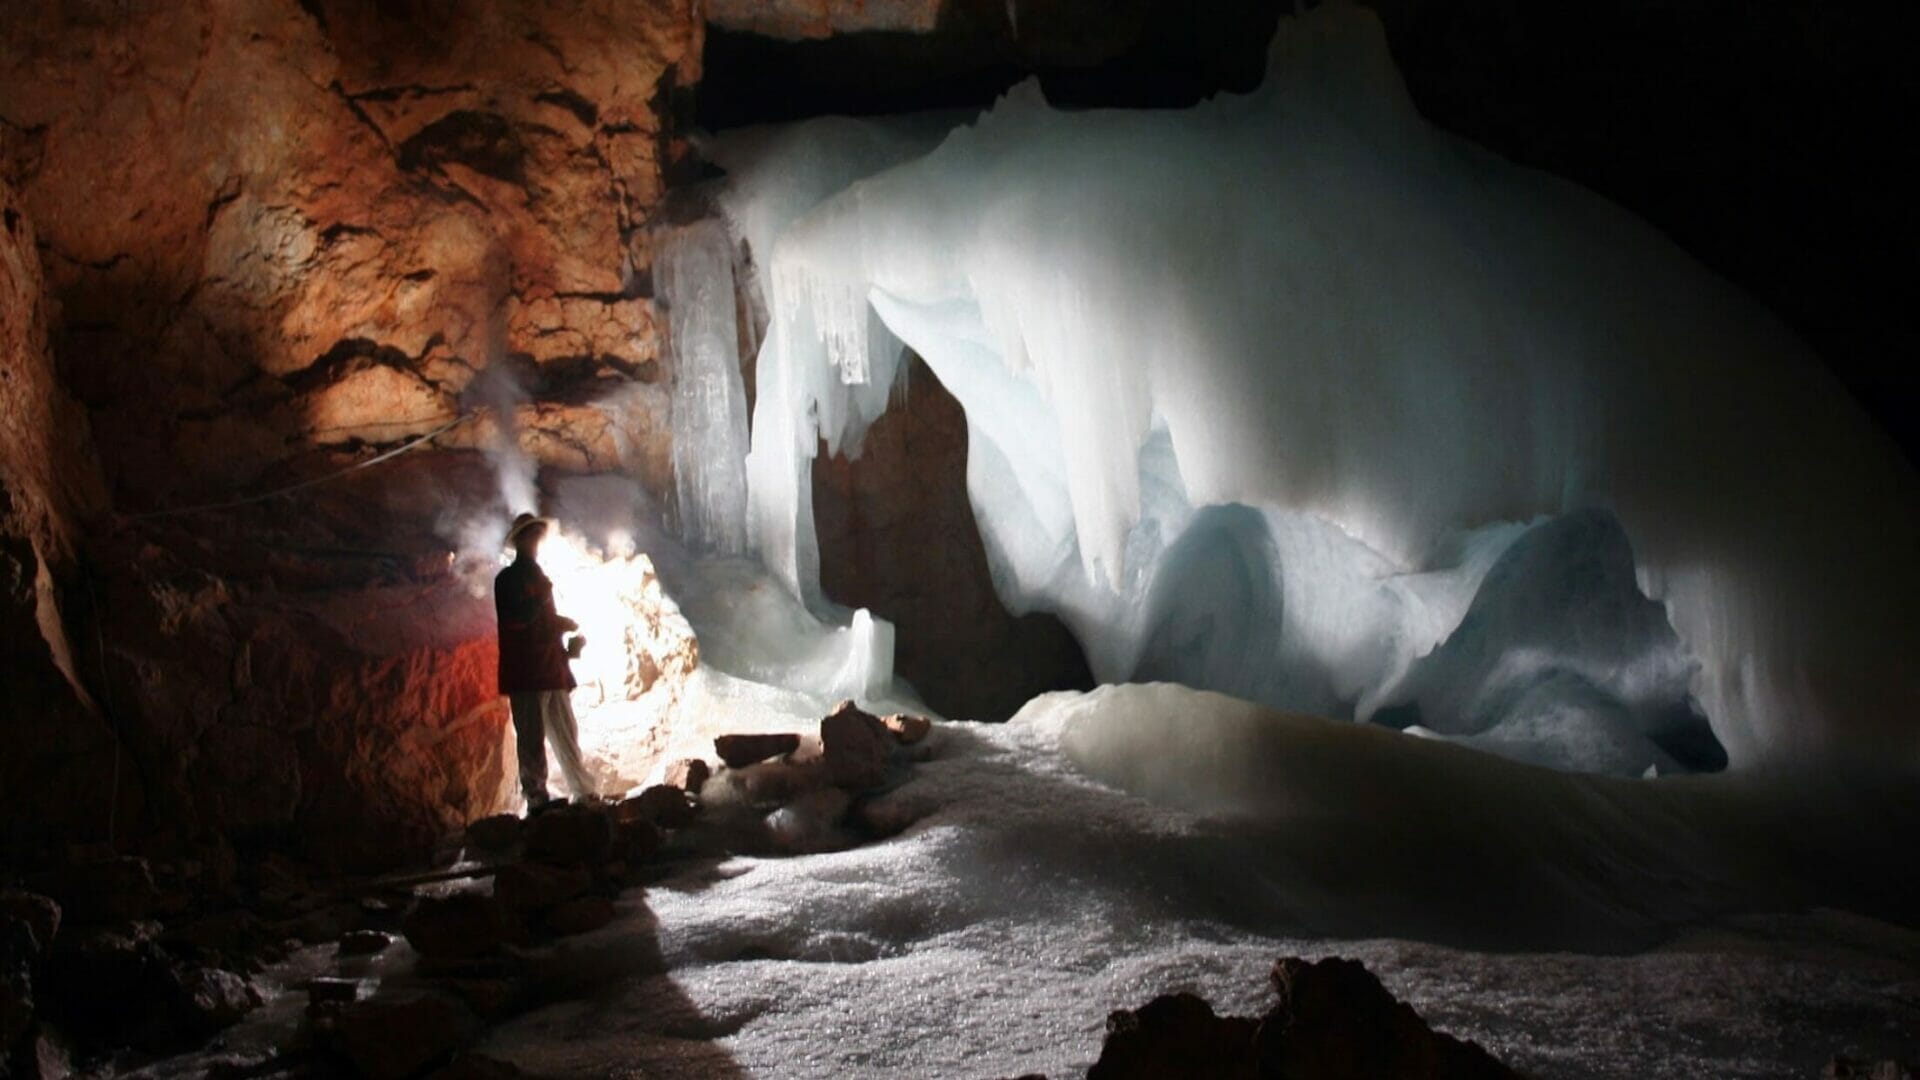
<point x="1104" y="848"/>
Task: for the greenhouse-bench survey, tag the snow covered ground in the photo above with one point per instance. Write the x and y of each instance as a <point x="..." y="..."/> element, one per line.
<point x="1104" y="848"/>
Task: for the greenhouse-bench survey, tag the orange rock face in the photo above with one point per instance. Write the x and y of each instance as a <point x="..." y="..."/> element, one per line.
<point x="279" y="226"/>
<point x="275" y="234"/>
<point x="57" y="739"/>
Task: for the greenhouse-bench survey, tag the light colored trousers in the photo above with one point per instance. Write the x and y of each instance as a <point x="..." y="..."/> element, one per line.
<point x="541" y="717"/>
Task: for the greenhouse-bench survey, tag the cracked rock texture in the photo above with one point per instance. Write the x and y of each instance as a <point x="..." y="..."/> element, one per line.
<point x="276" y="226"/>
<point x="247" y="243"/>
<point x="49" y="482"/>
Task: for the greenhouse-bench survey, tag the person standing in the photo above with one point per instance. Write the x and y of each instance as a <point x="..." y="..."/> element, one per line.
<point x="534" y="673"/>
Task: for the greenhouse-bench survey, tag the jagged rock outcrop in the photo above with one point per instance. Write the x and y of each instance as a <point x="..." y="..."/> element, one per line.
<point x="897" y="536"/>
<point x="1333" y="1021"/>
<point x="274" y="236"/>
<point x="57" y="739"/>
<point x="275" y="227"/>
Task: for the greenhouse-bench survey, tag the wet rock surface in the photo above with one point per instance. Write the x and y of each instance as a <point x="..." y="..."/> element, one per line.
<point x="738" y="751"/>
<point x="897" y="536"/>
<point x="1333" y="1021"/>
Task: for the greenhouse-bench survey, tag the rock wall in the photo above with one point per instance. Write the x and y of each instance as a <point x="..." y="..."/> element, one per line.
<point x="278" y="236"/>
<point x="277" y="226"/>
<point x="57" y="741"/>
<point x="897" y="535"/>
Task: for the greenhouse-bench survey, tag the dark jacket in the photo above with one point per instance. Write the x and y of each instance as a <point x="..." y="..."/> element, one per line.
<point x="532" y="656"/>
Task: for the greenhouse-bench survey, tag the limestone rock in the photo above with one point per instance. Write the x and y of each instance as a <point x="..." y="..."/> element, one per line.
<point x="490" y="997"/>
<point x="739" y="751"/>
<point x="455" y="927"/>
<point x="688" y="774"/>
<point x="208" y="1000"/>
<point x="1335" y="1020"/>
<point x="907" y="728"/>
<point x="18" y="951"/>
<point x="897" y="536"/>
<point x="496" y="833"/>
<point x="477" y="1067"/>
<point x="637" y="841"/>
<point x="664" y="805"/>
<point x="40" y="913"/>
<point x="524" y="887"/>
<point x="324" y="988"/>
<point x="1176" y="1035"/>
<point x="113" y="889"/>
<point x="571" y="834"/>
<point x="389" y="1038"/>
<point x="856" y="746"/>
<point x="580" y="915"/>
<point x="364" y="942"/>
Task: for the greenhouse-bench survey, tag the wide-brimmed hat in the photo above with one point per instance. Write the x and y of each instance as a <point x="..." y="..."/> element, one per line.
<point x="523" y="523"/>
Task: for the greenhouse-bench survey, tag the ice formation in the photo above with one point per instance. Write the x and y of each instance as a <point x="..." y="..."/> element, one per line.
<point x="1103" y="848"/>
<point x="709" y="401"/>
<point x="1258" y="392"/>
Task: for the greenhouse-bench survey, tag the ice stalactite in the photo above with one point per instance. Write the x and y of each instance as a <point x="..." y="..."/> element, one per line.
<point x="1260" y="392"/>
<point x="709" y="400"/>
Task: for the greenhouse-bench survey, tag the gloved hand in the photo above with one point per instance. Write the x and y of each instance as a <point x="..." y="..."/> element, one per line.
<point x="575" y="644"/>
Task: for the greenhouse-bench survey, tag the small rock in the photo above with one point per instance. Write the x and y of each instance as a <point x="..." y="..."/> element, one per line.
<point x="1177" y="1035"/>
<point x="906" y="727"/>
<point x="489" y="997"/>
<point x="856" y="746"/>
<point x="638" y="841"/>
<point x="662" y="804"/>
<point x="524" y="887"/>
<point x="742" y="750"/>
<point x="497" y="833"/>
<point x="1335" y="1020"/>
<point x="462" y="925"/>
<point x="44" y="1055"/>
<point x="235" y="939"/>
<point x="580" y="915"/>
<point x="40" y="913"/>
<point x="106" y="890"/>
<point x="327" y="988"/>
<point x="207" y="1000"/>
<point x="689" y="775"/>
<point x="364" y="942"/>
<point x="389" y="1038"/>
<point x="19" y="949"/>
<point x="476" y="1067"/>
<point x="571" y="834"/>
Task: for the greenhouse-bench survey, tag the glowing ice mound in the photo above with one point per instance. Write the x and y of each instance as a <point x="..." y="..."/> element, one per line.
<point x="1383" y="344"/>
<point x="1561" y="661"/>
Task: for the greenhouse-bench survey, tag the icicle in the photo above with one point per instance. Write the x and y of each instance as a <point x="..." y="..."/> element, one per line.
<point x="709" y="400"/>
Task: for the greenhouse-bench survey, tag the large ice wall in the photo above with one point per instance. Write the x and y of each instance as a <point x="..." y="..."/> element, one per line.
<point x="1261" y="391"/>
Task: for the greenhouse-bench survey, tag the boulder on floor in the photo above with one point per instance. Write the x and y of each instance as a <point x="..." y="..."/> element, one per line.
<point x="1176" y="1035"/>
<point x="40" y="913"/>
<point x="664" y="805"/>
<point x="496" y="833"/>
<point x="739" y="751"/>
<point x="571" y="834"/>
<point x="527" y="887"/>
<point x="856" y="746"/>
<point x="1335" y="1020"/>
<point x="579" y="915"/>
<point x="688" y="774"/>
<point x="392" y="1037"/>
<point x="906" y="727"/>
<point x="455" y="927"/>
